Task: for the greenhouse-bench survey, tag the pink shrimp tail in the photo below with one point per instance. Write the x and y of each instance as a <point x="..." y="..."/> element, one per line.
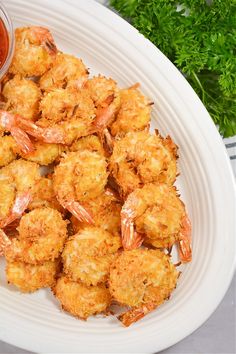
<point x="4" y="242"/>
<point x="78" y="211"/>
<point x="21" y="203"/>
<point x="130" y="238"/>
<point x="185" y="251"/>
<point x="44" y="36"/>
<point x="135" y="315"/>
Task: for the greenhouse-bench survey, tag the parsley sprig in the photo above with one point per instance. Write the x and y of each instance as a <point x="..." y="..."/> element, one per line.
<point x="200" y="39"/>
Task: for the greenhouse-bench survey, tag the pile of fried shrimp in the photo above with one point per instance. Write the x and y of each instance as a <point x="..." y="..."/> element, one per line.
<point x="97" y="225"/>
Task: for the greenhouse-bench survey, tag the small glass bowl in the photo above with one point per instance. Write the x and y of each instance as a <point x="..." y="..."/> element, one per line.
<point x="8" y="25"/>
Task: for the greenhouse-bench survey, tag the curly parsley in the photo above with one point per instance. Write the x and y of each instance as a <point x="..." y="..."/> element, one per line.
<point x="200" y="39"/>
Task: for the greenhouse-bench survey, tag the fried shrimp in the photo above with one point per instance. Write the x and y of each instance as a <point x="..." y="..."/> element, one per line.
<point x="134" y="113"/>
<point x="29" y="278"/>
<point x="88" y="255"/>
<point x="80" y="300"/>
<point x="66" y="116"/>
<point x="105" y="211"/>
<point x="43" y="195"/>
<point x="35" y="51"/>
<point x="7" y="150"/>
<point x="141" y="279"/>
<point x="67" y="71"/>
<point x="22" y="97"/>
<point x="90" y="142"/>
<point x="156" y="212"/>
<point x="16" y="182"/>
<point x="78" y="177"/>
<point x="44" y="153"/>
<point x="141" y="158"/>
<point x="42" y="234"/>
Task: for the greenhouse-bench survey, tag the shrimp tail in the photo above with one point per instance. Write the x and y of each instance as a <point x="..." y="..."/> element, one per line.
<point x="136" y="314"/>
<point x="21" y="203"/>
<point x="185" y="251"/>
<point x="130" y="238"/>
<point x="78" y="211"/>
<point x="4" y="242"/>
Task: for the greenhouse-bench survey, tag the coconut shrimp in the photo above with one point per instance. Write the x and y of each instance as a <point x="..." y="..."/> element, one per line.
<point x="88" y="255"/>
<point x="106" y="97"/>
<point x="90" y="142"/>
<point x="134" y="113"/>
<point x="35" y="51"/>
<point x="29" y="278"/>
<point x="80" y="300"/>
<point x="78" y="177"/>
<point x="67" y="71"/>
<point x="141" y="158"/>
<point x="8" y="148"/>
<point x="156" y="212"/>
<point x="16" y="182"/>
<point x="42" y="234"/>
<point x="44" y="153"/>
<point x="141" y="279"/>
<point x="43" y="195"/>
<point x="67" y="114"/>
<point x="10" y="123"/>
<point x="105" y="211"/>
<point x="22" y="97"/>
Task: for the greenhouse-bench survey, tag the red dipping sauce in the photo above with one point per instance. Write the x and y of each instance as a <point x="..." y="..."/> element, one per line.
<point x="4" y="43"/>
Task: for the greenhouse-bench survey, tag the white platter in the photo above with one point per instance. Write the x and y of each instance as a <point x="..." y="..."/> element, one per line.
<point x="111" y="46"/>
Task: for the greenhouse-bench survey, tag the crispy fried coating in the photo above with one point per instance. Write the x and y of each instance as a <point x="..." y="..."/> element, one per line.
<point x="42" y="234"/>
<point x="80" y="300"/>
<point x="134" y="113"/>
<point x="7" y="194"/>
<point x="32" y="56"/>
<point x="29" y="278"/>
<point x="90" y="142"/>
<point x="43" y="195"/>
<point x="22" y="97"/>
<point x="70" y="111"/>
<point x="142" y="276"/>
<point x="24" y="174"/>
<point x="158" y="214"/>
<point x="141" y="158"/>
<point x="80" y="176"/>
<point x="105" y="211"/>
<point x="44" y="153"/>
<point x="87" y="255"/>
<point x="7" y="150"/>
<point x="67" y="71"/>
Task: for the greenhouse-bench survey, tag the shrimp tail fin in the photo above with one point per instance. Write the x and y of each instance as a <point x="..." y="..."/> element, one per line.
<point x="21" y="203"/>
<point x="185" y="251"/>
<point x="22" y="140"/>
<point x="136" y="314"/>
<point x="78" y="211"/>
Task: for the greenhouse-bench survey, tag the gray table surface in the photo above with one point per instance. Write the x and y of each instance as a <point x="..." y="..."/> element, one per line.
<point x="215" y="336"/>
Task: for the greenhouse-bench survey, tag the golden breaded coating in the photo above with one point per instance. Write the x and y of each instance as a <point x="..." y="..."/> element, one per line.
<point x="134" y="113"/>
<point x="141" y="158"/>
<point x="7" y="194"/>
<point x="67" y="71"/>
<point x="142" y="279"/>
<point x="87" y="255"/>
<point x="90" y="142"/>
<point x="80" y="176"/>
<point x="44" y="153"/>
<point x="34" y="51"/>
<point x="43" y="195"/>
<point x="7" y="150"/>
<point x="24" y="173"/>
<point x="29" y="278"/>
<point x="22" y="97"/>
<point x="105" y="211"/>
<point x="80" y="300"/>
<point x="42" y="234"/>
